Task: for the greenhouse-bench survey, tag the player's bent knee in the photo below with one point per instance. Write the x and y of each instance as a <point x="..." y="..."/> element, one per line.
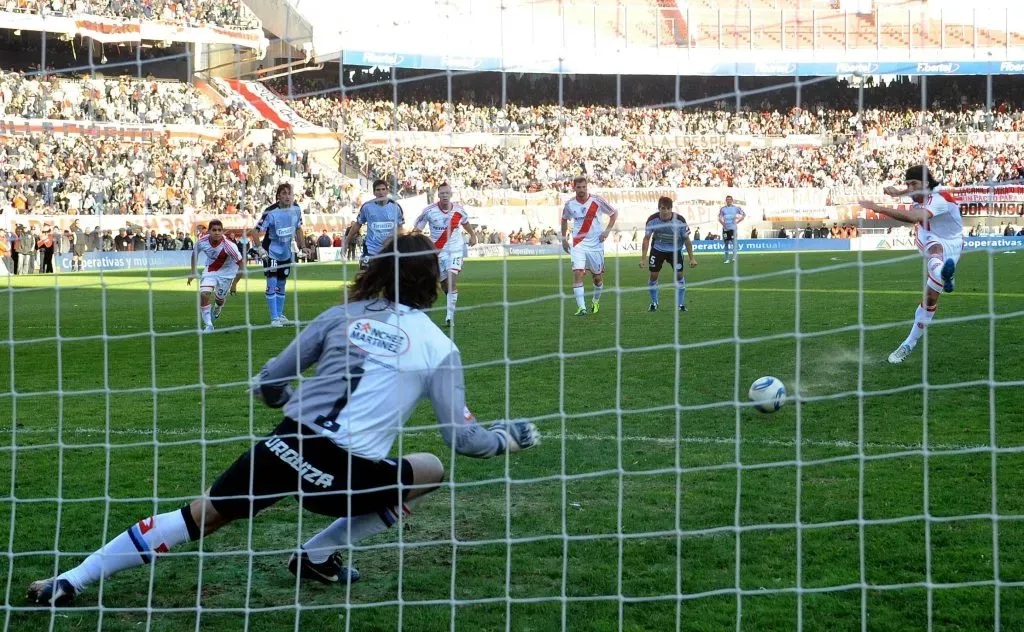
<point x="206" y="516"/>
<point x="426" y="468"/>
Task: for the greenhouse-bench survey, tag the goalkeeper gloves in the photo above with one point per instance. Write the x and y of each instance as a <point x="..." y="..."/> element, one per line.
<point x="519" y="435"/>
<point x="271" y="394"/>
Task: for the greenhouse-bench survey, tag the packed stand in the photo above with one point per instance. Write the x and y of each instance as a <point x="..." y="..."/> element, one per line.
<point x="545" y="166"/>
<point x="194" y="13"/>
<point x="79" y="175"/>
<point x="557" y="121"/>
<point x="123" y="100"/>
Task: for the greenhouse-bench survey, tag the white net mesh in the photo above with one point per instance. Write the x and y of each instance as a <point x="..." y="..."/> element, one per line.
<point x="881" y="496"/>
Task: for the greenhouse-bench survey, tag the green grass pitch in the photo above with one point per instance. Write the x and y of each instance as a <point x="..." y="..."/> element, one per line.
<point x="639" y="511"/>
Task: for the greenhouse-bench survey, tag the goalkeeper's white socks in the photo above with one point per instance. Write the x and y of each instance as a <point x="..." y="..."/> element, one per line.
<point x="135" y="547"/>
<point x="577" y="291"/>
<point x="345" y="531"/>
<point x="207" y="318"/>
<point x="922" y="317"/>
<point x="597" y="292"/>
<point x="453" y="298"/>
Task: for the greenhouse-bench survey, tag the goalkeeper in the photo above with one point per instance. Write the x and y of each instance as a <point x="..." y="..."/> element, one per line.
<point x="376" y="355"/>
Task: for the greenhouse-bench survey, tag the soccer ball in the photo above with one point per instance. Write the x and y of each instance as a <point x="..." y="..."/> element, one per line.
<point x="768" y="394"/>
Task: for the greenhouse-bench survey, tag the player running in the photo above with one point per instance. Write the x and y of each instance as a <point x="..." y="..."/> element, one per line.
<point x="939" y="236"/>
<point x="668" y="231"/>
<point x="280" y="225"/>
<point x="383" y="218"/>
<point x="587" y="249"/>
<point x="446" y="220"/>
<point x="730" y="216"/>
<point x="224" y="268"/>
<point x="376" y="356"/>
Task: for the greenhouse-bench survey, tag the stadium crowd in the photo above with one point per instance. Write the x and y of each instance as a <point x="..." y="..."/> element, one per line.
<point x="48" y="175"/>
<point x="123" y="100"/>
<point x="194" y="13"/>
<point x="545" y="165"/>
<point x="442" y="116"/>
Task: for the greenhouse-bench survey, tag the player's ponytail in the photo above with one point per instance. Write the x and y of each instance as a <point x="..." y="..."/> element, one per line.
<point x="417" y="276"/>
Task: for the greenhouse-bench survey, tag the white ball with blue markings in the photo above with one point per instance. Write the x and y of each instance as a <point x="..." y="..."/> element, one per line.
<point x="768" y="394"/>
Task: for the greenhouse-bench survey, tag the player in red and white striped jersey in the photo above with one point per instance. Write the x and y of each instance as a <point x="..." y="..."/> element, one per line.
<point x="446" y="219"/>
<point x="940" y="238"/>
<point x="587" y="249"/>
<point x="224" y="268"/>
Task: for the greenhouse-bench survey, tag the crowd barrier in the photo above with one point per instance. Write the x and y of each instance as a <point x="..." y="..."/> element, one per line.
<point x="142" y="260"/>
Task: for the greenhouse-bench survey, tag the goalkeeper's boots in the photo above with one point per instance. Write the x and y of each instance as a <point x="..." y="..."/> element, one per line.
<point x="330" y="571"/>
<point x="581" y="312"/>
<point x="653" y="307"/>
<point x="682" y="308"/>
<point x="947" y="272"/>
<point x="900" y="354"/>
<point x="595" y="306"/>
<point x="54" y="591"/>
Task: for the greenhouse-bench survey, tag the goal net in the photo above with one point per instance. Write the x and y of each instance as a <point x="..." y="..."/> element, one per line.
<point x="880" y="495"/>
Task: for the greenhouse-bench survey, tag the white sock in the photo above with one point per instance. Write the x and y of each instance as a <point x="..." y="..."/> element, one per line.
<point x="935" y="270"/>
<point x="133" y="547"/>
<point x="597" y="292"/>
<point x="453" y="298"/>
<point x="578" y="293"/>
<point x="207" y="318"/>
<point x="922" y="317"/>
<point x="345" y="531"/>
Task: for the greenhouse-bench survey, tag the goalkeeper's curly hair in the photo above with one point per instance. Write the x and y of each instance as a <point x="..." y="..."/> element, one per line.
<point x="417" y="277"/>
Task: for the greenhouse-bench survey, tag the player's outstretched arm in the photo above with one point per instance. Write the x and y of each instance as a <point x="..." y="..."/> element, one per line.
<point x="273" y="384"/>
<point x="457" y="424"/>
<point x="914" y="215"/>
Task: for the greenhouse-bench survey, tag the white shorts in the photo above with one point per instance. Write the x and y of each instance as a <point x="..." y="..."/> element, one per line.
<point x="587" y="259"/>
<point x="449" y="262"/>
<point x="951" y="249"/>
<point x="219" y="283"/>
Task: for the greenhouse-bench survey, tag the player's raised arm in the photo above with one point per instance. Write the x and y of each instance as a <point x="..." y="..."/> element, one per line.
<point x="914" y="215"/>
<point x="459" y="428"/>
<point x="272" y="385"/>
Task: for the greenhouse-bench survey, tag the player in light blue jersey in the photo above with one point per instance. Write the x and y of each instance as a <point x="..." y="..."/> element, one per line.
<point x="667" y="233"/>
<point x="383" y="218"/>
<point x="730" y="216"/>
<point x="280" y="227"/>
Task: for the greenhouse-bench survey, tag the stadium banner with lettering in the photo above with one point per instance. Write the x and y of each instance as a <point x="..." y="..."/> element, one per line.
<point x="661" y="61"/>
<point x="907" y="242"/>
<point x="112" y="30"/>
<point x="138" y="133"/>
<point x="776" y="245"/>
<point x="142" y="260"/>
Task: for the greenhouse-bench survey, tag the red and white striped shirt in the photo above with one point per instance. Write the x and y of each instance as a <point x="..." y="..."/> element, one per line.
<point x="222" y="258"/>
<point x="586" y="225"/>
<point x="445" y="226"/>
<point x="944" y="221"/>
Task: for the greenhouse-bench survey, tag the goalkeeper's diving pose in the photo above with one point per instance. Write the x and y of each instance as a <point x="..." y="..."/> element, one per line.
<point x="376" y="355"/>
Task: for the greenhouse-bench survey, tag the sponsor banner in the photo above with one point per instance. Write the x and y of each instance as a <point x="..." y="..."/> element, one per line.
<point x="445" y="140"/>
<point x="113" y="30"/>
<point x="674" y="62"/>
<point x="334" y="254"/>
<point x="95" y="261"/>
<point x="993" y="243"/>
<point x="188" y="223"/>
<point x="775" y="245"/>
<point x="136" y="133"/>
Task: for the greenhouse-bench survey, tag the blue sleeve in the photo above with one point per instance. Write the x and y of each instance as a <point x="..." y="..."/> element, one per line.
<point x="361" y="217"/>
<point x="648" y="229"/>
<point x="401" y="214"/>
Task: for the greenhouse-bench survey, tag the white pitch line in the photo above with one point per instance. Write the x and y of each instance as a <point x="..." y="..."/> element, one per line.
<point x="697" y="440"/>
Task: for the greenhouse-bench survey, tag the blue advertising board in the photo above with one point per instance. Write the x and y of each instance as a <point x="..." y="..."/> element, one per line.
<point x="684" y="67"/>
<point x="993" y="243"/>
<point x="775" y="245"/>
<point x="94" y="261"/>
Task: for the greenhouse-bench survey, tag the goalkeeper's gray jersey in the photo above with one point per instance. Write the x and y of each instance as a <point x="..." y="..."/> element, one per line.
<point x="375" y="361"/>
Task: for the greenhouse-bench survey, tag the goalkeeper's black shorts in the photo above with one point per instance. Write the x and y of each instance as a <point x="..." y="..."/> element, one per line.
<point x="294" y="460"/>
